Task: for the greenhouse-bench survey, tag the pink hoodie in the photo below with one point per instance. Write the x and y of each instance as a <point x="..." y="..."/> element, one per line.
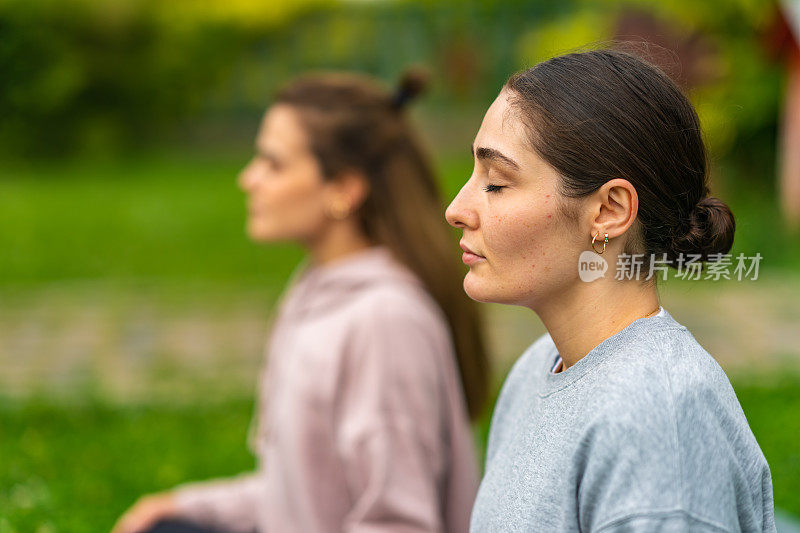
<point x="361" y="424"/>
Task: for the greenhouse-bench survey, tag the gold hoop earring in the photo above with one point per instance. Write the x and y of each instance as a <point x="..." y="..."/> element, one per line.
<point x="605" y="241"/>
<point x="339" y="210"/>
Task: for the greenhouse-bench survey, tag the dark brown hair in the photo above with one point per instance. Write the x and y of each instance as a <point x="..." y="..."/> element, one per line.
<point x="603" y="114"/>
<point x="355" y="123"/>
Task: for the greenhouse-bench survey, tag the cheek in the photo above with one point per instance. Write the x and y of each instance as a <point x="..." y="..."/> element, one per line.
<point x="298" y="197"/>
<point x="528" y="246"/>
<point x="512" y="237"/>
<point x="523" y="246"/>
<point x="290" y="208"/>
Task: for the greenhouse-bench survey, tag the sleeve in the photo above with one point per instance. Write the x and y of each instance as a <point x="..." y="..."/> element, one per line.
<point x="675" y="522"/>
<point x="633" y="472"/>
<point x="625" y="468"/>
<point x="229" y="504"/>
<point x="389" y="431"/>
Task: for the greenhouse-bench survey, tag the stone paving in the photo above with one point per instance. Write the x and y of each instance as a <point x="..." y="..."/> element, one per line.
<point x="143" y="342"/>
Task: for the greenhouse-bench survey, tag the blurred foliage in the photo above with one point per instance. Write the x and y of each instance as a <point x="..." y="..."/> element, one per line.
<point x="86" y="76"/>
<point x="93" y="75"/>
<point x="720" y="44"/>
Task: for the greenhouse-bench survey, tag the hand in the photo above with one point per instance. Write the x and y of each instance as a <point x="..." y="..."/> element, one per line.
<point x="146" y="512"/>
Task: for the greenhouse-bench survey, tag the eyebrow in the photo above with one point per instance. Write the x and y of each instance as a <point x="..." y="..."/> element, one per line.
<point x="266" y="154"/>
<point x="490" y="154"/>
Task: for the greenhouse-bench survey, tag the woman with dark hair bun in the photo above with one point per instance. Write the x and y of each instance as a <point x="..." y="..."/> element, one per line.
<point x="375" y="361"/>
<point x="616" y="419"/>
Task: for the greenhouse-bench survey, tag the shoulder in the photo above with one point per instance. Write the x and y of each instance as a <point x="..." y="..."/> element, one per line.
<point x="393" y="362"/>
<point x="663" y="370"/>
<point x="519" y="391"/>
<point x="397" y="332"/>
<point x="392" y="299"/>
<point x="524" y="376"/>
<point x="397" y="311"/>
<point x="662" y="387"/>
<point x="533" y="362"/>
<point x="665" y="429"/>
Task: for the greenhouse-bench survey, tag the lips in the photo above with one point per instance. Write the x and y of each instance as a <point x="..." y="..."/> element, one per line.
<point x="254" y="209"/>
<point x="469" y="257"/>
<point x="468" y="249"/>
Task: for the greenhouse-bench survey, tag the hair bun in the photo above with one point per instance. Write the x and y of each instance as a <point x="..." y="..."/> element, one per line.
<point x="711" y="229"/>
<point x="412" y="83"/>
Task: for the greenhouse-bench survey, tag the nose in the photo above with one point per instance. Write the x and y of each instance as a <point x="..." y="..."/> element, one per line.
<point x="246" y="179"/>
<point x="459" y="214"/>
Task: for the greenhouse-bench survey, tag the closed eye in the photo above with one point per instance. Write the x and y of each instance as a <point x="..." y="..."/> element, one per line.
<point x="493" y="188"/>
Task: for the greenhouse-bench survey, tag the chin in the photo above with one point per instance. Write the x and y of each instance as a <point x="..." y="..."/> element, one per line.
<point x="478" y="289"/>
<point x="485" y="291"/>
<point x="258" y="233"/>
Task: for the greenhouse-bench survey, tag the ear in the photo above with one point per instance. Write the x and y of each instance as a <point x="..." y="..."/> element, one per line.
<point x="614" y="207"/>
<point x="350" y="185"/>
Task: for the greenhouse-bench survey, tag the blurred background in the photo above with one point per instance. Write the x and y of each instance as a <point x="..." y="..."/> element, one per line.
<point x="133" y="309"/>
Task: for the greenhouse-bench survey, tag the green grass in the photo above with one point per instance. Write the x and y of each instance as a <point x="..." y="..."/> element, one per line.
<point x="773" y="412"/>
<point x="181" y="217"/>
<point x="75" y="468"/>
<point x="155" y="219"/>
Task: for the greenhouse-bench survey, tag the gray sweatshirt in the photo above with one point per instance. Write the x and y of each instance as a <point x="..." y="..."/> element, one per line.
<point x="644" y="434"/>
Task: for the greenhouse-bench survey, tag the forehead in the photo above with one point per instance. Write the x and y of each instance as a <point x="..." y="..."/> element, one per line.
<point x="502" y="128"/>
<point x="281" y="127"/>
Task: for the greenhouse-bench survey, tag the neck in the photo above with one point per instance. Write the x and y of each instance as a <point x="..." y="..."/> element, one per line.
<point x="338" y="240"/>
<point x="584" y="316"/>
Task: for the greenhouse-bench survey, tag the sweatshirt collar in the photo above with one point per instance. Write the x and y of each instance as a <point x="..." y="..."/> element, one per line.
<point x="638" y="328"/>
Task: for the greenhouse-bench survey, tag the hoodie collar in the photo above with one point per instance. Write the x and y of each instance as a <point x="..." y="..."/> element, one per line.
<point x="314" y="288"/>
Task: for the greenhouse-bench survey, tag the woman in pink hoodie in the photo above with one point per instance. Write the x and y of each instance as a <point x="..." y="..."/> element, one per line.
<point x="375" y="362"/>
